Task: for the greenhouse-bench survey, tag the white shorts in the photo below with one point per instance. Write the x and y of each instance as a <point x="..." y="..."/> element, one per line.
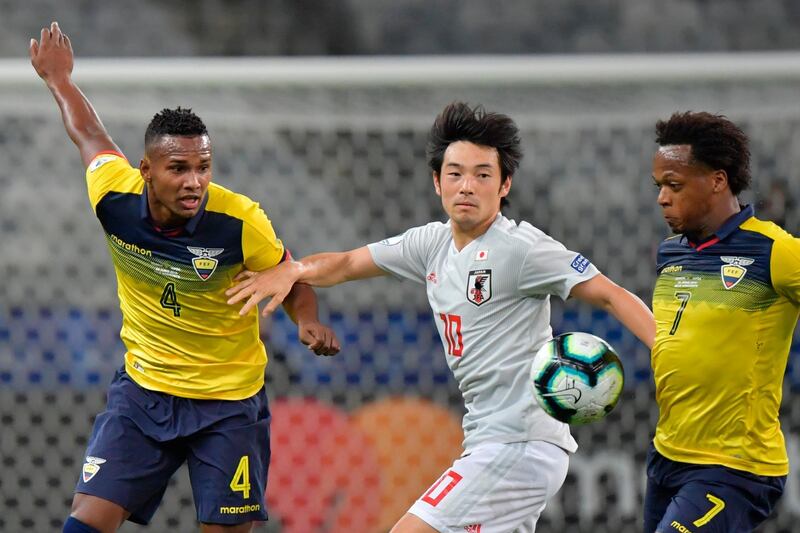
<point x="497" y="488"/>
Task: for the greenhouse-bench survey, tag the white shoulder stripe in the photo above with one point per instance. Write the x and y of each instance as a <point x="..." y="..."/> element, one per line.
<point x="526" y="233"/>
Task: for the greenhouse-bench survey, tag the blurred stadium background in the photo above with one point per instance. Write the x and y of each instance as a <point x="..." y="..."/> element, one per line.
<point x="334" y="151"/>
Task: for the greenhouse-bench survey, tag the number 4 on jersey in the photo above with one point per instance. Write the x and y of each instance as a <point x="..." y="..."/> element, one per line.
<point x="169" y="299"/>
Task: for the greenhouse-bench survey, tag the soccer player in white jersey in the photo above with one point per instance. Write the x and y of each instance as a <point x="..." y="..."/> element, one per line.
<point x="488" y="282"/>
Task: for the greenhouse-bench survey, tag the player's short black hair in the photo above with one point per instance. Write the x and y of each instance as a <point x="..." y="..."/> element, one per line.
<point x="460" y="122"/>
<point x="716" y="142"/>
<point x="179" y="121"/>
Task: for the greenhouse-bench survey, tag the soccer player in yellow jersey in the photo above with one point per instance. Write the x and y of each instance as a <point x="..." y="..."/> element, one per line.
<point x="192" y="387"/>
<point x="726" y="303"/>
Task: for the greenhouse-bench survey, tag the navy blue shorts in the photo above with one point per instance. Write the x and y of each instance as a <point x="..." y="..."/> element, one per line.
<point x="143" y="436"/>
<point x="690" y="498"/>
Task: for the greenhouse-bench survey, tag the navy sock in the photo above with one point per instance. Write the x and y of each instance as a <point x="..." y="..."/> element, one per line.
<point x="73" y="525"/>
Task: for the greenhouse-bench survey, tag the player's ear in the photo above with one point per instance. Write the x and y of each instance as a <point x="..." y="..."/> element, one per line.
<point x="719" y="180"/>
<point x="505" y="187"/>
<point x="436" y="184"/>
<point x="144" y="169"/>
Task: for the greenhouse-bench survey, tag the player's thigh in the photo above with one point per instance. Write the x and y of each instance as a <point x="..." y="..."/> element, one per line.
<point x="496" y="488"/>
<point x="721" y="507"/>
<point x="123" y="464"/>
<point x="656" y="500"/>
<point x="228" y="465"/>
<point x="412" y="524"/>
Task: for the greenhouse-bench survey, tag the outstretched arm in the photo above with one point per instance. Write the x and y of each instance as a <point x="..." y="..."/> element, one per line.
<point x="626" y="307"/>
<point x="322" y="270"/>
<point x="52" y="58"/>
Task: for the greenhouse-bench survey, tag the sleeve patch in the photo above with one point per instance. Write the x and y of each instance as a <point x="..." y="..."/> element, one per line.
<point x="392" y="241"/>
<point x="100" y="161"/>
<point x="580" y="263"/>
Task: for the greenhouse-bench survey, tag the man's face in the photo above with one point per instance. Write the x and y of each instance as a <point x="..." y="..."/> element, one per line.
<point x="470" y="184"/>
<point x="685" y="190"/>
<point x="177" y="170"/>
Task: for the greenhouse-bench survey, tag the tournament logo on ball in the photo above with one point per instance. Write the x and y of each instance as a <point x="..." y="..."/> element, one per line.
<point x="734" y="270"/>
<point x="479" y="286"/>
<point x="205" y="264"/>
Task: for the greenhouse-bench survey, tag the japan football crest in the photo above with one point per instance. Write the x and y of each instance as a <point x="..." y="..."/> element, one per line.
<point x="479" y="286"/>
<point x="205" y="264"/>
<point x="734" y="270"/>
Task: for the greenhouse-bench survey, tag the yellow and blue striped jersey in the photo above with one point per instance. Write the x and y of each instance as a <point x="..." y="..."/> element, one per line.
<point x="181" y="336"/>
<point x="725" y="314"/>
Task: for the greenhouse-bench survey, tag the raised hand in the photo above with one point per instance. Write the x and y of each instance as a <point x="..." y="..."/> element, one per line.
<point x="52" y="56"/>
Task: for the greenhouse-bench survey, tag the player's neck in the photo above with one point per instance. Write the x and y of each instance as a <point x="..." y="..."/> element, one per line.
<point x="165" y="220"/>
<point x="462" y="236"/>
<point x="161" y="217"/>
<point x="715" y="220"/>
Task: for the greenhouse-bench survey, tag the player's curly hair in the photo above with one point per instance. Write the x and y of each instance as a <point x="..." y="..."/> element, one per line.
<point x="179" y="121"/>
<point x="716" y="142"/>
<point x="460" y="122"/>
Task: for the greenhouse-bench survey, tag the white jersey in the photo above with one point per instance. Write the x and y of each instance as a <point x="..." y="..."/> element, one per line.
<point x="491" y="303"/>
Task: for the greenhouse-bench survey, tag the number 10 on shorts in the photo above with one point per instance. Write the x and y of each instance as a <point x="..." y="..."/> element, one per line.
<point x="241" y="479"/>
<point x="440" y="489"/>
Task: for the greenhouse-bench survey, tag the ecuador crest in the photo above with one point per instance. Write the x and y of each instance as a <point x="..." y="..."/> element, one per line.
<point x="205" y="264"/>
<point x="733" y="271"/>
<point x="91" y="467"/>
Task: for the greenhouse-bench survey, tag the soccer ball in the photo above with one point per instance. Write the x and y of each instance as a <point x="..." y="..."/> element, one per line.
<point x="577" y="378"/>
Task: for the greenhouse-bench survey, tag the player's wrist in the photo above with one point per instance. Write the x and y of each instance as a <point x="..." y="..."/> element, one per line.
<point x="299" y="271"/>
<point x="306" y="321"/>
<point x="58" y="81"/>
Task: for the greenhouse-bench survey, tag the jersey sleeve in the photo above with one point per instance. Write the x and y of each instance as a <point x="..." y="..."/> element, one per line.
<point x="550" y="268"/>
<point x="107" y="172"/>
<point x="785" y="268"/>
<point x="261" y="248"/>
<point x="404" y="256"/>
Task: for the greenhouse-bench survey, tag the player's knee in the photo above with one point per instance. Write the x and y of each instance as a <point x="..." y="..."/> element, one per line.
<point x="73" y="525"/>
<point x="99" y="514"/>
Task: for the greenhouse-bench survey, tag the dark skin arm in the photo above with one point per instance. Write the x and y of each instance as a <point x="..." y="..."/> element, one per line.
<point x="301" y="306"/>
<point x="52" y="58"/>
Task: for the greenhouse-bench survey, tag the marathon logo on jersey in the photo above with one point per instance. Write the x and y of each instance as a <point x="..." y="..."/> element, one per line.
<point x="473" y="528"/>
<point x="240" y="509"/>
<point x="734" y="270"/>
<point x="479" y="286"/>
<point x="100" y="161"/>
<point x="205" y="264"/>
<point x="580" y="263"/>
<point x="91" y="467"/>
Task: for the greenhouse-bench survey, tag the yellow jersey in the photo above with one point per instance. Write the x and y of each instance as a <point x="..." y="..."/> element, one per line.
<point x="725" y="312"/>
<point x="181" y="336"/>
